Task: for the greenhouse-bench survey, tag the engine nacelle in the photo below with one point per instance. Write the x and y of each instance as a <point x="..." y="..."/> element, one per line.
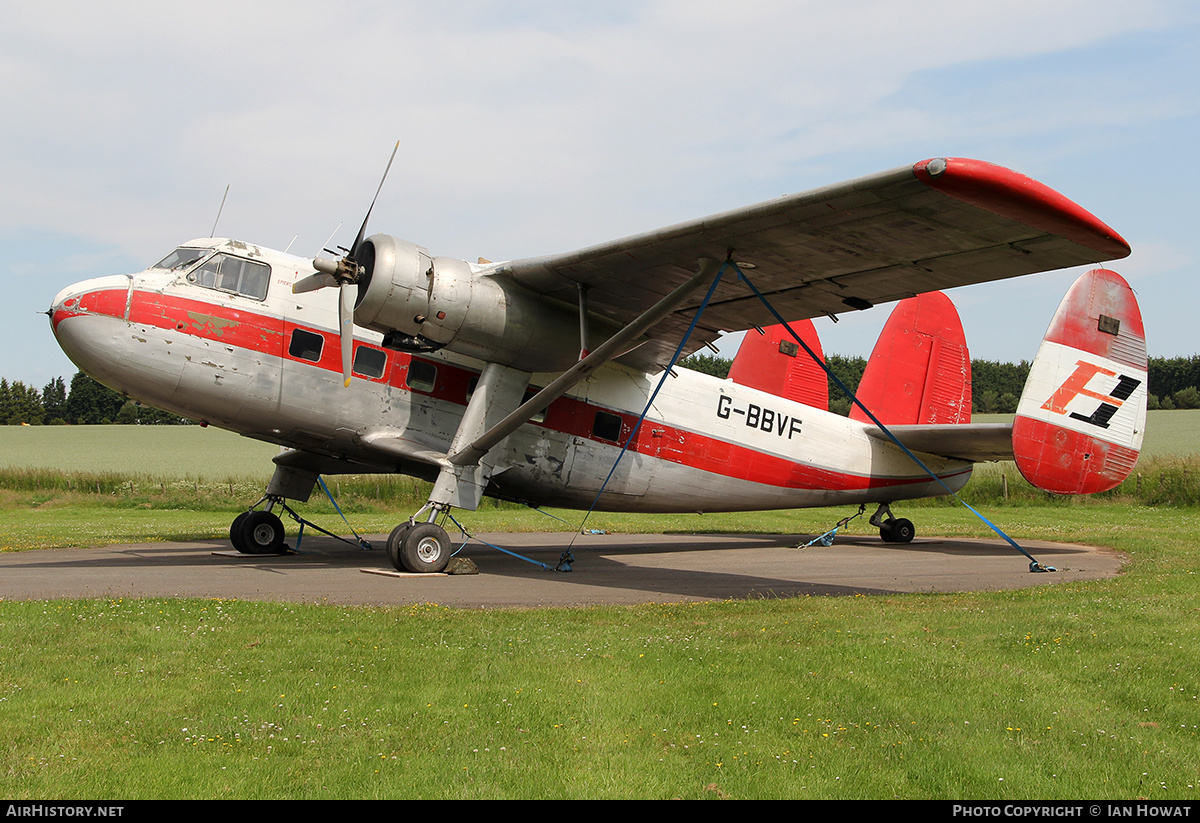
<point x="393" y="293"/>
<point x="432" y="303"/>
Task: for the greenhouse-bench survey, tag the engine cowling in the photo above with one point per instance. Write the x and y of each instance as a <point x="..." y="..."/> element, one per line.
<point x="439" y="302"/>
<point x="393" y="291"/>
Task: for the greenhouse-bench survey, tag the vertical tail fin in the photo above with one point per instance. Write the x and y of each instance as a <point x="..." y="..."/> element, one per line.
<point x="772" y="362"/>
<point x="1082" y="414"/>
<point x="920" y="370"/>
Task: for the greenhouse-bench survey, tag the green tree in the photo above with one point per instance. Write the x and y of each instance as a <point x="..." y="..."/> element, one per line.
<point x="90" y="403"/>
<point x="20" y="404"/>
<point x="849" y="370"/>
<point x="54" y="401"/>
<point x="1188" y="398"/>
<point x="707" y="364"/>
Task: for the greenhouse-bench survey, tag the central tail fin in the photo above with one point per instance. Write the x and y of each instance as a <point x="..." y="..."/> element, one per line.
<point x="773" y="362"/>
<point x="920" y="370"/>
<point x="1082" y="414"/>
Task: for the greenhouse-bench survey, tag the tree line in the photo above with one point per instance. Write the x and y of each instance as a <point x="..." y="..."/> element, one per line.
<point x="996" y="387"/>
<point x="85" y="402"/>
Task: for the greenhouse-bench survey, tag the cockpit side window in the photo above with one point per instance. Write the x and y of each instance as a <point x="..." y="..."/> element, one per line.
<point x="234" y="275"/>
<point x="181" y="258"/>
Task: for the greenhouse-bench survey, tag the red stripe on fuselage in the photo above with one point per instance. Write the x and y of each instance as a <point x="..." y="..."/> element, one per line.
<point x="270" y="335"/>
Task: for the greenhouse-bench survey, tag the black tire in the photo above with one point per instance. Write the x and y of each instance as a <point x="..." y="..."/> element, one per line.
<point x="260" y="533"/>
<point x="901" y="531"/>
<point x="425" y="548"/>
<point x="885" y="532"/>
<point x="394" y="541"/>
<point x="235" y="531"/>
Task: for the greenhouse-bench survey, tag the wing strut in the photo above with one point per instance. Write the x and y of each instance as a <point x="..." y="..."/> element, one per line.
<point x="606" y="351"/>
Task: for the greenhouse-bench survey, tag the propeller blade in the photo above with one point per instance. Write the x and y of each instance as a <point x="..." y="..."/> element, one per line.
<point x="346" y="320"/>
<point x="362" y="231"/>
<point x="313" y="282"/>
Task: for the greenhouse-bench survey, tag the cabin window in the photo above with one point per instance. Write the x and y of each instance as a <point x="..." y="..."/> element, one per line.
<point x="607" y="426"/>
<point x="234" y="275"/>
<point x="369" y="362"/>
<point x="306" y="345"/>
<point x="422" y="376"/>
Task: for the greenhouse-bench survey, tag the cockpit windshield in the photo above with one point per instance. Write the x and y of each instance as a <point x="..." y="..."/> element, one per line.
<point x="181" y="258"/>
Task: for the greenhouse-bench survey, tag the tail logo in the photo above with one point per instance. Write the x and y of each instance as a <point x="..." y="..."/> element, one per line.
<point x="1076" y="385"/>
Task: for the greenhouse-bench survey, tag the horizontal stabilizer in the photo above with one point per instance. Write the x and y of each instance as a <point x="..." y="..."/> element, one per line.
<point x="920" y="370"/>
<point x="773" y="362"/>
<point x="1082" y="414"/>
<point x="974" y="442"/>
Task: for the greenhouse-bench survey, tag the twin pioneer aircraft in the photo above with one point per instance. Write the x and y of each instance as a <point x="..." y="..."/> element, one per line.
<point x="525" y="380"/>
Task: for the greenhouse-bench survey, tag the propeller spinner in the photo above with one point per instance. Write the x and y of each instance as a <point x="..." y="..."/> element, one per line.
<point x="344" y="274"/>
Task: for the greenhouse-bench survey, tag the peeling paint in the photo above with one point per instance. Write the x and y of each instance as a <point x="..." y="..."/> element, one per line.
<point x="211" y="324"/>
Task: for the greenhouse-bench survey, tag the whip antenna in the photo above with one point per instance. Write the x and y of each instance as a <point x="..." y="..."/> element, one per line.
<point x="213" y="233"/>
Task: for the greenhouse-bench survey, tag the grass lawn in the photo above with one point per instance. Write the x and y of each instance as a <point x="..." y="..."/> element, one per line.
<point x="1079" y="691"/>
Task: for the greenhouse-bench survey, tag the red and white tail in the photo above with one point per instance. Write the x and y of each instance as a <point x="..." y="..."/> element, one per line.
<point x="920" y="370"/>
<point x="1082" y="414"/>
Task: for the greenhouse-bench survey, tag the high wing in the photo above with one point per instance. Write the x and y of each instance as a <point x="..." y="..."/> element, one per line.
<point x="934" y="225"/>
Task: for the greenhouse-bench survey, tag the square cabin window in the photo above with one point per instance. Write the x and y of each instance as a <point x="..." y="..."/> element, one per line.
<point x="369" y="362"/>
<point x="306" y="345"/>
<point x="422" y="376"/>
<point x="607" y="426"/>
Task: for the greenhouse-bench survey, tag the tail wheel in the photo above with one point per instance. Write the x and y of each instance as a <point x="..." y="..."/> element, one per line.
<point x="425" y="548"/>
<point x="899" y="530"/>
<point x="259" y="533"/>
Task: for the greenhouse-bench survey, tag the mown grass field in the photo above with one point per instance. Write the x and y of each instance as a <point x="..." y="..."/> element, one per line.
<point x="1081" y="691"/>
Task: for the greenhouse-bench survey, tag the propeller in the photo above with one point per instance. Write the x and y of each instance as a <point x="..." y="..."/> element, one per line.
<point x="344" y="274"/>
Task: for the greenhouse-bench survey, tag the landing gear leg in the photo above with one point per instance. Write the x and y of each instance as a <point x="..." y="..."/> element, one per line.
<point x="892" y="529"/>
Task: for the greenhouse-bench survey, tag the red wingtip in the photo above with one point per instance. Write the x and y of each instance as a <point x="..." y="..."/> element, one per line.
<point x="1021" y="198"/>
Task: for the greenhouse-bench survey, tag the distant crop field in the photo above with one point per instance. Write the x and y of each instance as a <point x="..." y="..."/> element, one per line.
<point x="195" y="453"/>
<point x="1168" y="433"/>
<point x="168" y="452"/>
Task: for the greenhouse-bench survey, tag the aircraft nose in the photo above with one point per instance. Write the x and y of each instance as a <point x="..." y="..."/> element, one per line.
<point x="86" y="316"/>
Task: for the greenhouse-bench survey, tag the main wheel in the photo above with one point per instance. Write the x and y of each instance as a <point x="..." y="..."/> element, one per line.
<point x="260" y="533"/>
<point x="425" y="548"/>
<point x="235" y="532"/>
<point x="394" y="541"/>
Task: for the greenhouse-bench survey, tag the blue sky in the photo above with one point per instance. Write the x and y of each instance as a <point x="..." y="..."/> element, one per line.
<point x="535" y="127"/>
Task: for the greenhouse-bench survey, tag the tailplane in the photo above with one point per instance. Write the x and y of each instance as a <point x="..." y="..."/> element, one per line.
<point x="920" y="370"/>
<point x="1082" y="414"/>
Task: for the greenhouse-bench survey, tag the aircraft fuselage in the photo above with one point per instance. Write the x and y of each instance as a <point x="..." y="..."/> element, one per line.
<point x="233" y="347"/>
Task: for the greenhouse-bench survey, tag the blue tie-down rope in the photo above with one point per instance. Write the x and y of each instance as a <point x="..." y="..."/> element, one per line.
<point x="1034" y="565"/>
<point x="362" y="542"/>
<point x="827" y="538"/>
<point x="564" y="562"/>
<point x="654" y="394"/>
